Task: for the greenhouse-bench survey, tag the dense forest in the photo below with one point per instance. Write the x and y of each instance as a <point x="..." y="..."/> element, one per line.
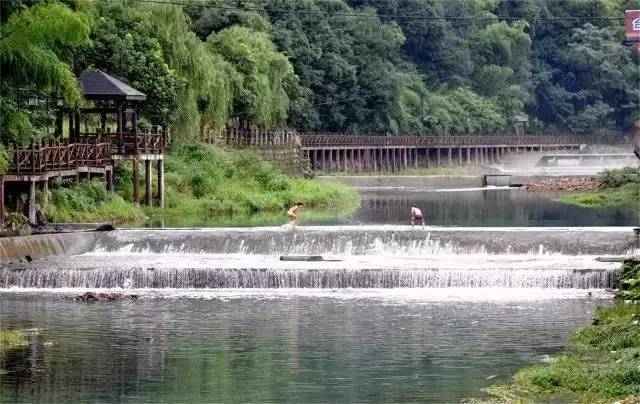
<point x="421" y="66"/>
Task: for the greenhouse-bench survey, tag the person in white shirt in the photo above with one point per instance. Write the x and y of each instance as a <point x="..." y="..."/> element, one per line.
<point x="416" y="215"/>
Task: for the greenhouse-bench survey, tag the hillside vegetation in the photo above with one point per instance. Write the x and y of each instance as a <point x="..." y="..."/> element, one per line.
<point x="429" y="66"/>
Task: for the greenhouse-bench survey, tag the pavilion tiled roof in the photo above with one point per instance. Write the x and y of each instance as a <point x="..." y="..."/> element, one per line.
<point x="98" y="85"/>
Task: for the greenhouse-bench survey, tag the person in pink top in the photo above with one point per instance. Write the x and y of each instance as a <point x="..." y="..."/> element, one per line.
<point x="416" y="216"/>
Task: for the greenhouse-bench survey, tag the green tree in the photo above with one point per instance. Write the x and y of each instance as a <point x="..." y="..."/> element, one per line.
<point x="265" y="76"/>
<point x="35" y="51"/>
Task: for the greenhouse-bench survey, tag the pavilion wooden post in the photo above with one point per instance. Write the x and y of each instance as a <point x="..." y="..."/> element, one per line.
<point x="70" y="125"/>
<point x="77" y="125"/>
<point x="136" y="181"/>
<point x="147" y="182"/>
<point x="103" y="122"/>
<point x="119" y="129"/>
<point x="134" y="128"/>
<point x="161" y="183"/>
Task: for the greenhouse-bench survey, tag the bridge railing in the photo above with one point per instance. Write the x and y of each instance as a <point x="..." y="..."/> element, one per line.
<point x="328" y="140"/>
<point x="56" y="155"/>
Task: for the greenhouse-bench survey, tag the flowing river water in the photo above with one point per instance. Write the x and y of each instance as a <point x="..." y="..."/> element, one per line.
<point x="393" y="315"/>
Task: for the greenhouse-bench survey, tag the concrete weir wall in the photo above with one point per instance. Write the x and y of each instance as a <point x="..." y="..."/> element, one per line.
<point x="319" y="240"/>
<point x="408" y="181"/>
<point x="26" y="248"/>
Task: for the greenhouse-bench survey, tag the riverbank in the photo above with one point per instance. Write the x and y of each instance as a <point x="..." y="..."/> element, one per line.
<point x="202" y="184"/>
<point x="616" y="187"/>
<point x="601" y="363"/>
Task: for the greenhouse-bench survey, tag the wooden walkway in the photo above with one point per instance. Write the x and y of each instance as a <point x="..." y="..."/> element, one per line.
<point x="328" y="152"/>
<point x="88" y="155"/>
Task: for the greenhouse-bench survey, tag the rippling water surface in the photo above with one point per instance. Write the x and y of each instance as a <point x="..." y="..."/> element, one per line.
<point x="437" y="345"/>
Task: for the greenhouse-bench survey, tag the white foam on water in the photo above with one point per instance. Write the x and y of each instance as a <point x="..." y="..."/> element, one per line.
<point x="398" y="295"/>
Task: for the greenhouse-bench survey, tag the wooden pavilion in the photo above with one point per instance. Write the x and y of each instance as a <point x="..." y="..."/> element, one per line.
<point x="91" y="151"/>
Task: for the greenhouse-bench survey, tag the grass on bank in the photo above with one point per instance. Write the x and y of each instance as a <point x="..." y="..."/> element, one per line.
<point x="204" y="184"/>
<point x="12" y="339"/>
<point x="617" y="188"/>
<point x="87" y="202"/>
<point x="601" y="364"/>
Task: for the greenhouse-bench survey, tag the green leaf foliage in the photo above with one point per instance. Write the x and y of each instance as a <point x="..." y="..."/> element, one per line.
<point x="332" y="65"/>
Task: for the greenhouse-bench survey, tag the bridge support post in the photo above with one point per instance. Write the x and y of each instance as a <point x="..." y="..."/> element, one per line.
<point x="360" y="162"/>
<point x="136" y="181"/>
<point x="161" y="183"/>
<point x="415" y="160"/>
<point x="324" y="161"/>
<point x="449" y="156"/>
<point x="108" y="174"/>
<point x="438" y="156"/>
<point x="348" y="161"/>
<point x="148" y="192"/>
<point x="405" y="157"/>
<point x="376" y="166"/>
<point x="460" y="156"/>
<point x="45" y="193"/>
<point x="32" y="202"/>
<point x="468" y="156"/>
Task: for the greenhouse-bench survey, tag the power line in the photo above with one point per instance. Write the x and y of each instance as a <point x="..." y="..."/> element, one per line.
<point x="381" y="16"/>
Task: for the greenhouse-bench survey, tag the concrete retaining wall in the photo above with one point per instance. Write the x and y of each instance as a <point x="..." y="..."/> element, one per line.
<point x="26" y="248"/>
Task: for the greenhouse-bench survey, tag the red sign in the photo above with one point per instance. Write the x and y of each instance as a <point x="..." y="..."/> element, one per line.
<point x="632" y="25"/>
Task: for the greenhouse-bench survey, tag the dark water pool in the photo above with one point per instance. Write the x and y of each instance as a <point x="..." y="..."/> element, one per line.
<point x="275" y="348"/>
<point x="486" y="207"/>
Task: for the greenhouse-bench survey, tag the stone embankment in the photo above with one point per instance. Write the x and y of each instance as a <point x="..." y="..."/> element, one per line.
<point x="569" y="184"/>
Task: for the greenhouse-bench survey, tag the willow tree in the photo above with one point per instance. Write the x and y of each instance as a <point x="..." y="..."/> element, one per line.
<point x="264" y="75"/>
<point x="206" y="98"/>
<point x="34" y="56"/>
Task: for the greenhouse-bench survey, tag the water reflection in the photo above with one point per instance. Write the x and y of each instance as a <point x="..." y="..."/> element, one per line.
<point x="486" y="207"/>
<point x="296" y="349"/>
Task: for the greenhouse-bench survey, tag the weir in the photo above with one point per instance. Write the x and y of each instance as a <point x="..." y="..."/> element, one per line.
<point x="369" y="257"/>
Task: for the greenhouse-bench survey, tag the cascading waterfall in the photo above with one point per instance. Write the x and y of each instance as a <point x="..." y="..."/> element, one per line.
<point x="369" y="258"/>
<point x="327" y="278"/>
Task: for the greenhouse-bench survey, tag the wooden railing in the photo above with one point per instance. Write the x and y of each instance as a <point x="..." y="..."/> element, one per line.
<point x="58" y="154"/>
<point x="139" y="143"/>
<point x="319" y="140"/>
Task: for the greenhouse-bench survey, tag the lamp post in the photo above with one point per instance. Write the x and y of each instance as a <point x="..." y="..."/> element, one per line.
<point x="32" y="100"/>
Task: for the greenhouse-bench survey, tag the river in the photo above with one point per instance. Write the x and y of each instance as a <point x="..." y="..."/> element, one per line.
<point x="396" y="315"/>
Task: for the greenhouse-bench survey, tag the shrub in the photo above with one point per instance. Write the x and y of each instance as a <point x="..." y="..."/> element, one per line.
<point x="89" y="201"/>
<point x="618" y="177"/>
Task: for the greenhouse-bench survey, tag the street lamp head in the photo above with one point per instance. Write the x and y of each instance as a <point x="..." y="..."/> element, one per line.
<point x="32" y="100"/>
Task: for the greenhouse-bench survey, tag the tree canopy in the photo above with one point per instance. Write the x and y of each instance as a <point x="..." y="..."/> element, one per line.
<point x="419" y="66"/>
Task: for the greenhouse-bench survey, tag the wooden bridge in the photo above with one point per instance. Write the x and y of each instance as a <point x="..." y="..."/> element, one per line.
<point x="329" y="152"/>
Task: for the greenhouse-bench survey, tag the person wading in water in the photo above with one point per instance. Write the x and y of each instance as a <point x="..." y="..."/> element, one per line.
<point x="416" y="215"/>
<point x="293" y="214"/>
